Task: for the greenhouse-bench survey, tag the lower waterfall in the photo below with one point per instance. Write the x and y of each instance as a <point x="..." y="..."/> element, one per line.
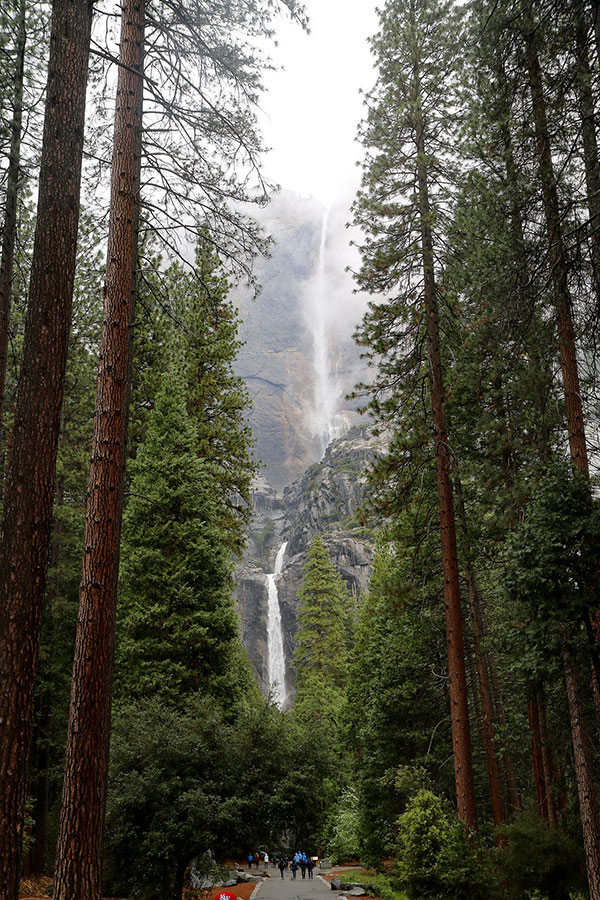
<point x="276" y="656"/>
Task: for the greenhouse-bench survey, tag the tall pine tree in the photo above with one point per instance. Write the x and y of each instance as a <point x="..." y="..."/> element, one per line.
<point x="177" y="622"/>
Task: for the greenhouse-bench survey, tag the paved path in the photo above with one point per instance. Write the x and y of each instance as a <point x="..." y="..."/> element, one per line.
<point x="288" y="888"/>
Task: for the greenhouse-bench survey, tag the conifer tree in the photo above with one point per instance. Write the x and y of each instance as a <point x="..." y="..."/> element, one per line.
<point x="320" y="657"/>
<point x="217" y="398"/>
<point x="27" y="514"/>
<point x="191" y="308"/>
<point x="401" y="206"/>
<point x="177" y="622"/>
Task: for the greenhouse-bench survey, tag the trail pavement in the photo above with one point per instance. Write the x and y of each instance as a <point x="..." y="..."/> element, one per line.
<point x="287" y="888"/>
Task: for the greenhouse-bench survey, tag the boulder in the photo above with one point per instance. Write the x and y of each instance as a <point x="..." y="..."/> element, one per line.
<point x="336" y="884"/>
<point x="325" y="865"/>
<point x="357" y="891"/>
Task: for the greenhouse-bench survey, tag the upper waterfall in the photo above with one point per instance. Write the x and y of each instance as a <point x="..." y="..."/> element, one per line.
<point x="329" y="422"/>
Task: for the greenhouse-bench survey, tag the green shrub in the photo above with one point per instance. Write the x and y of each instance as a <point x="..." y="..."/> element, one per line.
<point x="537" y="859"/>
<point x="435" y="858"/>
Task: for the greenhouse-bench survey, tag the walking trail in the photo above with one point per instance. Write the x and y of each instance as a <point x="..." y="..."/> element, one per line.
<point x="288" y="888"/>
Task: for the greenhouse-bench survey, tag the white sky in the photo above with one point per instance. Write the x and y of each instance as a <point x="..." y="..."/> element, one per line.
<point x="312" y="108"/>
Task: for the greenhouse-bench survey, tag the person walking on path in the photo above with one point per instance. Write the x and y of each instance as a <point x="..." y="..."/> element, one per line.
<point x="303" y="866"/>
<point x="249" y="857"/>
<point x="294" y="867"/>
<point x="310" y="866"/>
<point x="281" y="866"/>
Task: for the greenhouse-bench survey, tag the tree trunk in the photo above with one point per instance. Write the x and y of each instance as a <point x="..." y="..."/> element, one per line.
<point x="43" y="703"/>
<point x="459" y="711"/>
<point x="585" y="784"/>
<point x="478" y="632"/>
<point x="79" y="854"/>
<point x="536" y="754"/>
<point x="178" y="881"/>
<point x="31" y="472"/>
<point x="558" y="265"/>
<point x="586" y="788"/>
<point x="9" y="228"/>
<point x="590" y="144"/>
<point x="595" y="7"/>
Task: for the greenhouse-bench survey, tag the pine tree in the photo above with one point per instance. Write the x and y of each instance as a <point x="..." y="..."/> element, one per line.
<point x="217" y="398"/>
<point x="320" y="656"/>
<point x="177" y="622"/>
<point x="401" y="209"/>
<point x="27" y="515"/>
<point x="190" y="307"/>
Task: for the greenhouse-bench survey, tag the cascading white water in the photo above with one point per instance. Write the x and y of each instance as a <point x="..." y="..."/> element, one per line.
<point x="329" y="423"/>
<point x="276" y="656"/>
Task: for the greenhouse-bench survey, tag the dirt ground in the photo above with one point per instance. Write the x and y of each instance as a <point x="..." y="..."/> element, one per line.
<point x="34" y="889"/>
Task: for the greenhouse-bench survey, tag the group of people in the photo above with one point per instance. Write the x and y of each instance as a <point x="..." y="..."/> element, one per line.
<point x="255" y="858"/>
<point x="300" y="861"/>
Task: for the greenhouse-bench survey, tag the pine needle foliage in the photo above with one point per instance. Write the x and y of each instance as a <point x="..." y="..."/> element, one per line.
<point x="320" y="656"/>
<point x="177" y="618"/>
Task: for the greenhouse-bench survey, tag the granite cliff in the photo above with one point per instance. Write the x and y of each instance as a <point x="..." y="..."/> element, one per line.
<point x="325" y="499"/>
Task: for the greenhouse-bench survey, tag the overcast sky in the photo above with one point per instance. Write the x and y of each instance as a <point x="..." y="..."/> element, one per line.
<point x="312" y="108"/>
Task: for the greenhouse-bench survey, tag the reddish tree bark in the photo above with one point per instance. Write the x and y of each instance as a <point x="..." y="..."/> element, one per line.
<point x="486" y="723"/>
<point x="586" y="786"/>
<point x="558" y="264"/>
<point x="79" y="854"/>
<point x="459" y="711"/>
<point x="536" y="753"/>
<point x="9" y="228"/>
<point x="31" y="472"/>
<point x="590" y="142"/>
<point x="588" y="805"/>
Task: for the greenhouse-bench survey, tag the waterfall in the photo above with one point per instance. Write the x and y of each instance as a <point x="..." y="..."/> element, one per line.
<point x="329" y="422"/>
<point x="276" y="657"/>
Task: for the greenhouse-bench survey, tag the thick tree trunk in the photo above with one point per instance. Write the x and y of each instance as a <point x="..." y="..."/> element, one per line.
<point x="9" y="228"/>
<point x="31" y="473"/>
<point x="79" y="854"/>
<point x="586" y="788"/>
<point x="43" y="702"/>
<point x="577" y="444"/>
<point x="590" y="144"/>
<point x="459" y="711"/>
<point x="558" y="264"/>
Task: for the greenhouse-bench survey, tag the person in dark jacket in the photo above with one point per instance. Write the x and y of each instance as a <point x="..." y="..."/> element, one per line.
<point x="310" y="866"/>
<point x="281" y="866"/>
<point x="294" y="867"/>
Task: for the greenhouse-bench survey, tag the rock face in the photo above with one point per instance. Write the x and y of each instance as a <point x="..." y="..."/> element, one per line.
<point x="277" y="359"/>
<point x="324" y="500"/>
